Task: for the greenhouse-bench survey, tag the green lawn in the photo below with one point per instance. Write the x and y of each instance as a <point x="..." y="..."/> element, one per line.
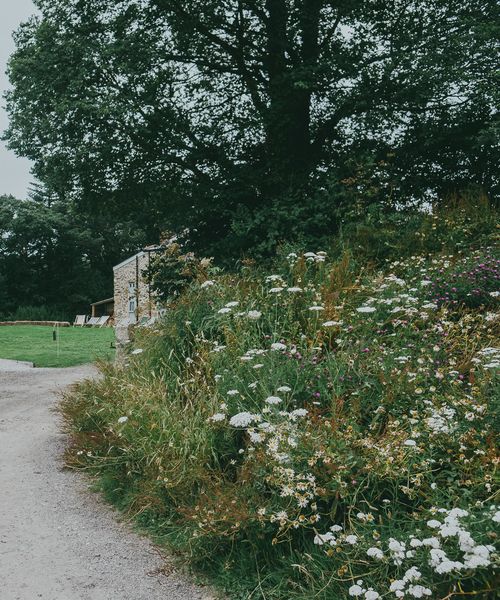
<point x="75" y="346"/>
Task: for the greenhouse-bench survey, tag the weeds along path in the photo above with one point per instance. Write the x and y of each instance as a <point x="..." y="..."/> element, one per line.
<point x="58" y="541"/>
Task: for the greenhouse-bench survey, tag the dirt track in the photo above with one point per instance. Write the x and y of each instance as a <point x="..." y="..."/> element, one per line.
<point x="58" y="540"/>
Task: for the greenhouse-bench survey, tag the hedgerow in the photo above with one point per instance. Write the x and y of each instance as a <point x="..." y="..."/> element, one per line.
<point x="320" y="431"/>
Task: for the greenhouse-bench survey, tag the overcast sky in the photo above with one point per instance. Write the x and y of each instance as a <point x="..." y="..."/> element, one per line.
<point x="14" y="172"/>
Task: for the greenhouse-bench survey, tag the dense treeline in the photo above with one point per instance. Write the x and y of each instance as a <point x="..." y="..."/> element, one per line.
<point x="246" y="122"/>
<point x="53" y="263"/>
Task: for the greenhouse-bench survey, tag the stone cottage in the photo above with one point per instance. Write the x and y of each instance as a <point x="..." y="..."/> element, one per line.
<point x="134" y="300"/>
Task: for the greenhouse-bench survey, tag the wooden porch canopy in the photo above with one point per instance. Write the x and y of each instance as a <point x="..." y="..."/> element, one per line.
<point x="103" y="307"/>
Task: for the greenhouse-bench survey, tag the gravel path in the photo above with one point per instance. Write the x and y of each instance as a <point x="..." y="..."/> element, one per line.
<point x="58" y="540"/>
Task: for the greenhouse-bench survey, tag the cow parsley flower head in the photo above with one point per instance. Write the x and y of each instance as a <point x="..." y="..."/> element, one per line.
<point x="418" y="591"/>
<point x="278" y="346"/>
<point x="254" y="314"/>
<point x="255" y="437"/>
<point x="433" y="524"/>
<point x="375" y="553"/>
<point x="325" y="538"/>
<point x="207" y="283"/>
<point x="397" y="550"/>
<point x="366" y="309"/>
<point x="397" y="585"/>
<point x="284" y="389"/>
<point x="122" y="420"/>
<point x="298" y="412"/>
<point x="274" y="400"/>
<point x="356" y="589"/>
<point x="412" y="574"/>
<point x="218" y="417"/>
<point x="242" y="419"/>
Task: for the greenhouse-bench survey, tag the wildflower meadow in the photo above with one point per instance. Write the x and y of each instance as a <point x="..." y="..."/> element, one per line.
<point x="322" y="428"/>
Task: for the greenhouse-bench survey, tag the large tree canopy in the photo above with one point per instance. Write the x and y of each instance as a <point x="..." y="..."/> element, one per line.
<point x="237" y="120"/>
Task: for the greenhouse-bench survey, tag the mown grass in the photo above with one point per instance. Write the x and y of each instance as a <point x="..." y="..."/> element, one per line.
<point x="73" y="346"/>
<point x="329" y="423"/>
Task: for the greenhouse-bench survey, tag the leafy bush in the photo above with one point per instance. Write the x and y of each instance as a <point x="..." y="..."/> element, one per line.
<point x="322" y="431"/>
<point x="172" y="271"/>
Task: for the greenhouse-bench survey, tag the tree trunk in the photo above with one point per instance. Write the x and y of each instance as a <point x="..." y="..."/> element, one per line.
<point x="288" y="136"/>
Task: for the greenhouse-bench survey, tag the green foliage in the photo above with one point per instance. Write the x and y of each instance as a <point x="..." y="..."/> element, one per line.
<point x="291" y="432"/>
<point x="293" y="104"/>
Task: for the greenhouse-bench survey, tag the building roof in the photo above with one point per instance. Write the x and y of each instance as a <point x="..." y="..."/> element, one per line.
<point x="107" y="301"/>
<point x="146" y="250"/>
<point x="128" y="260"/>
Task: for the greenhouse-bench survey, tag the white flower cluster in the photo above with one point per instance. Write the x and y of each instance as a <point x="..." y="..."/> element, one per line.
<point x="217" y="348"/>
<point x="366" y="309"/>
<point x="253" y="315"/>
<point x="217" y="417"/>
<point x="228" y="308"/>
<point x="329" y="537"/>
<point x="375" y="553"/>
<point x="252" y="353"/>
<point x="316" y="257"/>
<point x="407" y="585"/>
<point x="243" y="419"/>
<point x="206" y="284"/>
<point x="488" y="358"/>
<point x="332" y="323"/>
<point x="441" y="419"/>
<point x="278" y="346"/>
<point x="273" y="400"/>
<point x="474" y="555"/>
<point x="358" y="590"/>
